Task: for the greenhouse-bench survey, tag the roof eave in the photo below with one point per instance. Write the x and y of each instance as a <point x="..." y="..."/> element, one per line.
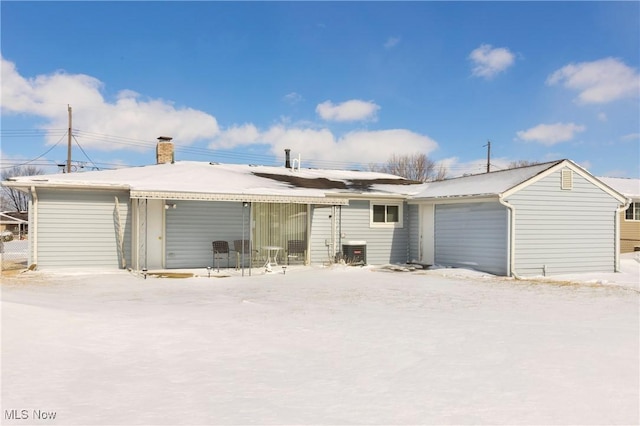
<point x="27" y="185"/>
<point x="236" y="197"/>
<point x="454" y="198"/>
<point x="367" y="196"/>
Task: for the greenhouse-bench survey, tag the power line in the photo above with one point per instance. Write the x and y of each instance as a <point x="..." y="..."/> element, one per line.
<point x="38" y="157"/>
<point x="85" y="154"/>
<point x="211" y="154"/>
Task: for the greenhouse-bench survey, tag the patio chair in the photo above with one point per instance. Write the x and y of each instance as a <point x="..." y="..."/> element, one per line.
<point x="237" y="247"/>
<point x="296" y="249"/>
<point x="220" y="248"/>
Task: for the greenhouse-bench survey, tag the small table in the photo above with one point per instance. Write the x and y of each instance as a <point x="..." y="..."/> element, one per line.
<point x="272" y="256"/>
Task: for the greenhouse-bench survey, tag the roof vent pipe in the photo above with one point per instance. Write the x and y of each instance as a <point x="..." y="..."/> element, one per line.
<point x="287" y="158"/>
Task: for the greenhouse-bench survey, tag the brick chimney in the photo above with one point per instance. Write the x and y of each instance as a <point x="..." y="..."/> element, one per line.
<point x="164" y="150"/>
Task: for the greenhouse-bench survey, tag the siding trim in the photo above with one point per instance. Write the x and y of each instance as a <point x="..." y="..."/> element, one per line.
<point x="575" y="168"/>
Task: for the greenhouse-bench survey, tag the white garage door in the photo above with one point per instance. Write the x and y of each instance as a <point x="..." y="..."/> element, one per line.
<point x="473" y="235"/>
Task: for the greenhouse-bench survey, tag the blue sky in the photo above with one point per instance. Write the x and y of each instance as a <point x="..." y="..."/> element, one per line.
<point x="342" y="84"/>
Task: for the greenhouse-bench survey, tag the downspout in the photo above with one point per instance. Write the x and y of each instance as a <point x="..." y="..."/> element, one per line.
<point x="334" y="220"/>
<point x="307" y="254"/>
<point x="135" y="235"/>
<point x="250" y="237"/>
<point x="512" y="237"/>
<point x="34" y="231"/>
<point x="340" y="232"/>
<point x="619" y="210"/>
<point x="408" y="228"/>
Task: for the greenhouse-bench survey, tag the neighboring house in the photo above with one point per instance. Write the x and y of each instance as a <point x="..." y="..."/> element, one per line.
<point x="167" y="215"/>
<point x="545" y="219"/>
<point x="630" y="218"/>
<point x="14" y="222"/>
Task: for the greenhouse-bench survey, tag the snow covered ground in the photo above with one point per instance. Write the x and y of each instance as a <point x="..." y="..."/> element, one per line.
<point x="338" y="345"/>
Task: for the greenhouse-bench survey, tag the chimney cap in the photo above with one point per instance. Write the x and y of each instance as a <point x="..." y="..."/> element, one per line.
<point x="165" y="138"/>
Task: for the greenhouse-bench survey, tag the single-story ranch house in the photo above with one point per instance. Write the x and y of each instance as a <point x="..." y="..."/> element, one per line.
<point x="549" y="218"/>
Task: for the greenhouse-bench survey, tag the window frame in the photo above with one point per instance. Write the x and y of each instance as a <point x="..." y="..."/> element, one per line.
<point x="635" y="212"/>
<point x="387" y="204"/>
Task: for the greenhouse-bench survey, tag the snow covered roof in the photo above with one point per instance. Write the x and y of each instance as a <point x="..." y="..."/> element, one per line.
<point x="193" y="180"/>
<point x="486" y="184"/>
<point x="213" y="181"/>
<point x="626" y="186"/>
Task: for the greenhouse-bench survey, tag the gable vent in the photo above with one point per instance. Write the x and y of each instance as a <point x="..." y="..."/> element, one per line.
<point x="567" y="179"/>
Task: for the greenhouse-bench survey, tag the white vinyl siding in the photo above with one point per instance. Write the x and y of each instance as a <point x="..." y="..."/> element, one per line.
<point x="560" y="231"/>
<point x="78" y="229"/>
<point x="192" y="227"/>
<point x="472" y="235"/>
<point x="321" y="239"/>
<point x="384" y="244"/>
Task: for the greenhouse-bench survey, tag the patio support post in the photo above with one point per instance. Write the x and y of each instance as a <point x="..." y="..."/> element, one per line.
<point x="33" y="238"/>
<point x="244" y="207"/>
<point x="249" y="205"/>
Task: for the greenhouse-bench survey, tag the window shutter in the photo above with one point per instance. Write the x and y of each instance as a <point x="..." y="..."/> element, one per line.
<point x="567" y="179"/>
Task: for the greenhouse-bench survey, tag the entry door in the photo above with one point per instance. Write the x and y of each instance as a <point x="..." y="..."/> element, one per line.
<point x="155" y="234"/>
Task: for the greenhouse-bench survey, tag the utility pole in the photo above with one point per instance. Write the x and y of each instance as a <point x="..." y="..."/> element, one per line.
<point x="488" y="145"/>
<point x="69" y="136"/>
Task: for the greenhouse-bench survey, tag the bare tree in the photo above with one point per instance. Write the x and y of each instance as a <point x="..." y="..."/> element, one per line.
<point x="521" y="163"/>
<point x="416" y="167"/>
<point x="13" y="199"/>
<point x="441" y="173"/>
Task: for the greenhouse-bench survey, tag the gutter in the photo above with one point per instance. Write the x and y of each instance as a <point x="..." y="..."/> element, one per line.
<point x="619" y="210"/>
<point x="366" y="196"/>
<point x="34" y="238"/>
<point x="42" y="184"/>
<point x="512" y="238"/>
<point x="455" y="199"/>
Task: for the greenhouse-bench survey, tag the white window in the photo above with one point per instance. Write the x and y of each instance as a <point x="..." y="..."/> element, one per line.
<point x="633" y="212"/>
<point x="386" y="214"/>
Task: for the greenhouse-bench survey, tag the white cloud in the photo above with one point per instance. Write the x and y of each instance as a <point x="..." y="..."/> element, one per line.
<point x="489" y="61"/>
<point x="586" y="164"/>
<point x="236" y="136"/>
<point x="631" y="137"/>
<point x="353" y="110"/>
<point x="129" y="116"/>
<point x="391" y="42"/>
<point x="360" y="147"/>
<point x="619" y="173"/>
<point x="292" y="98"/>
<point x="550" y="134"/>
<point x="600" y="81"/>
